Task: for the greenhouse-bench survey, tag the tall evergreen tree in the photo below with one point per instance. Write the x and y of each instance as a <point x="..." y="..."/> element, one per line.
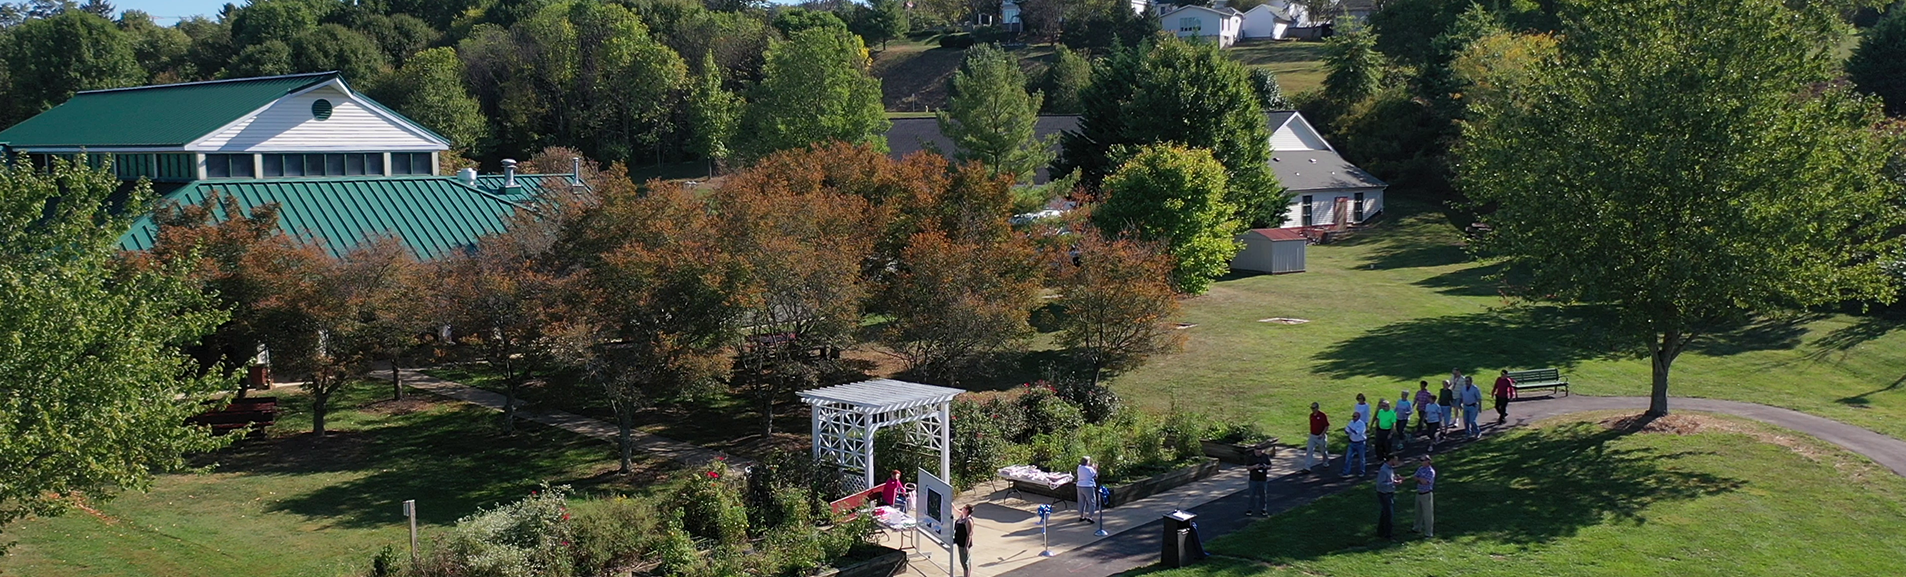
<point x="815" y="88"/>
<point x="1189" y="93"/>
<point x="1878" y="64"/>
<point x="712" y="112"/>
<point x="990" y="117"/>
<point x="1064" y="80"/>
<point x="1354" y="67"/>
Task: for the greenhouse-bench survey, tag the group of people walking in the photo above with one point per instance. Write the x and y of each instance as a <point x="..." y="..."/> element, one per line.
<point x="1384" y="431"/>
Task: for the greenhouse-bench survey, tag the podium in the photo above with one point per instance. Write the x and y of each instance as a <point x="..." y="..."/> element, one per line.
<point x="1182" y="545"/>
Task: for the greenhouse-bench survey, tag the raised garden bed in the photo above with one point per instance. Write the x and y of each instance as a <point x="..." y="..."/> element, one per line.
<point x="883" y="562"/>
<point x="1127" y="492"/>
<point x="1234" y="453"/>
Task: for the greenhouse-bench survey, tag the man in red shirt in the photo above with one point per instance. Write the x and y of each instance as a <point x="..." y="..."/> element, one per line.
<point x="1319" y="427"/>
<point x="1505" y="388"/>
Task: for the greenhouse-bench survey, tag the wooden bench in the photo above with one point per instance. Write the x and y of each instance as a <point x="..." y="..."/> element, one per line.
<point x="254" y="413"/>
<point x="1550" y="379"/>
<point x="850" y="505"/>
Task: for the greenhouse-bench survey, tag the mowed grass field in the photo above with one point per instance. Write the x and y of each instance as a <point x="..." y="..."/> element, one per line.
<point x="1699" y="496"/>
<point x="1403" y="302"/>
<point x="291" y="506"/>
<point x="1299" y="65"/>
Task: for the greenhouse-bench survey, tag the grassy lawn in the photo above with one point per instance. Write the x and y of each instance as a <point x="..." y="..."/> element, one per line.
<point x="290" y="505"/>
<point x="1299" y="65"/>
<point x="1699" y="496"/>
<point x="1402" y="302"/>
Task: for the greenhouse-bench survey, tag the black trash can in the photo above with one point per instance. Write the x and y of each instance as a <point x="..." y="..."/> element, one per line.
<point x="1182" y="545"/>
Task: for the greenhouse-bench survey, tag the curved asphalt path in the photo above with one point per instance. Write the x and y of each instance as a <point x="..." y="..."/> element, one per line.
<point x="1140" y="546"/>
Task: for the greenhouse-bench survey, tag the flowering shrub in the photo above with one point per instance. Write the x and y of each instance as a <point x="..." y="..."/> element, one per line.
<point x="1047" y="413"/>
<point x="1096" y="402"/>
<point x="527" y="538"/>
<point x="712" y="508"/>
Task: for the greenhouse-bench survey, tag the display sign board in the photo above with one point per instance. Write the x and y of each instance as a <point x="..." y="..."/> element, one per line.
<point x="935" y="501"/>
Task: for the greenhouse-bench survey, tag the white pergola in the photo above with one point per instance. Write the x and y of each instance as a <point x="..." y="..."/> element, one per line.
<point x="846" y="417"/>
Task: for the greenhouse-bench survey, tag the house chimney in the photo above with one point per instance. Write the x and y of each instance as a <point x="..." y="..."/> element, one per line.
<point x="467" y="176"/>
<point x="575" y="171"/>
<point x="509" y="173"/>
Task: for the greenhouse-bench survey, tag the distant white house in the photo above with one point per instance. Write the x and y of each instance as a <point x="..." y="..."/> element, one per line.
<point x="1325" y="189"/>
<point x="1266" y="21"/>
<point x="1009" y="15"/>
<point x="1221" y="25"/>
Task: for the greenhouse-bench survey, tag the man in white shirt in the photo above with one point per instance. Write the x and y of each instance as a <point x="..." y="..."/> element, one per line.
<point x="1472" y="407"/>
<point x="1087" y="480"/>
<point x="1362" y="408"/>
<point x="1358" y="433"/>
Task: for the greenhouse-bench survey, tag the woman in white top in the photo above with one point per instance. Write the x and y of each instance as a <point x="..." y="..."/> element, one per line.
<point x="1088" y="483"/>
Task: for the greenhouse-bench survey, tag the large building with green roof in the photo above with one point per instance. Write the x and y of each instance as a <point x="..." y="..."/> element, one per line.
<point x="341" y="167"/>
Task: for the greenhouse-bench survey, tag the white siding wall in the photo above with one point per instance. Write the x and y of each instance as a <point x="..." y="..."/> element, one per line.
<point x="1295" y="135"/>
<point x="288" y="126"/>
<point x="1261" y="22"/>
<point x="1210" y="25"/>
<point x="1324" y="205"/>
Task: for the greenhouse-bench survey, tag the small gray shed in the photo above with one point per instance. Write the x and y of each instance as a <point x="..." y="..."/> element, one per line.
<point x="1271" y="250"/>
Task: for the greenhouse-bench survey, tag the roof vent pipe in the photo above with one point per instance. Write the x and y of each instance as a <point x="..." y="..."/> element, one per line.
<point x="575" y="170"/>
<point x="509" y="173"/>
<point x="467" y="176"/>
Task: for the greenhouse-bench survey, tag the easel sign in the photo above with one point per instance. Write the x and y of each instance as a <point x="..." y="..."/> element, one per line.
<point x="935" y="515"/>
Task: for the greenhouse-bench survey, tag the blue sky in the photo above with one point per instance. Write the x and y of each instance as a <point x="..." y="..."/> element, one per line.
<point x="169" y="11"/>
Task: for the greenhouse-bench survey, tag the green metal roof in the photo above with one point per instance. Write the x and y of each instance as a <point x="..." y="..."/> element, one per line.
<point x="530" y="186"/>
<point x="163" y="115"/>
<point x="433" y="215"/>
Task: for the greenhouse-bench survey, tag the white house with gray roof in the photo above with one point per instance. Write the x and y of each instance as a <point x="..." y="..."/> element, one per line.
<point x="1325" y="189"/>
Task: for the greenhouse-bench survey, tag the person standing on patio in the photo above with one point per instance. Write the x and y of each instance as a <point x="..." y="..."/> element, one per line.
<point x="1424" y="399"/>
<point x="1357" y="432"/>
<point x="1425" y="480"/>
<point x="1386" y="499"/>
<point x="1505" y="387"/>
<point x="1386" y="425"/>
<point x="1403" y="410"/>
<point x="890" y="491"/>
<point x="1319" y="437"/>
<point x="1472" y="408"/>
<point x="1260" y="501"/>
<point x="963" y="538"/>
<point x="1087" y="481"/>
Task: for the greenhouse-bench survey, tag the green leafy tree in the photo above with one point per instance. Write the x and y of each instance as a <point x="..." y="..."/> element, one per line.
<point x="94" y="388"/>
<point x="713" y="112"/>
<point x="1183" y="92"/>
<point x="791" y="20"/>
<point x="279" y="20"/>
<point x="269" y="58"/>
<point x="430" y="90"/>
<point x="334" y="47"/>
<point x="160" y="50"/>
<point x="1269" y="92"/>
<point x="1064" y="80"/>
<point x="1353" y="67"/>
<point x="1117" y="296"/>
<point x="882" y="20"/>
<point x="629" y="79"/>
<point x="1175" y="196"/>
<point x="1100" y="24"/>
<point x="815" y="88"/>
<point x="1878" y="64"/>
<point x="49" y="59"/>
<point x="990" y="116"/>
<point x="398" y="35"/>
<point x="1688" y="166"/>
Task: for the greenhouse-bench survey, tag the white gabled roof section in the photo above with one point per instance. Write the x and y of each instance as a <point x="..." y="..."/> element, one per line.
<point x="1297" y="134"/>
<point x="288" y="125"/>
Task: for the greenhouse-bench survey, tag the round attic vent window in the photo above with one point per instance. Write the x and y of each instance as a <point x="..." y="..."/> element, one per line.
<point x="321" y="109"/>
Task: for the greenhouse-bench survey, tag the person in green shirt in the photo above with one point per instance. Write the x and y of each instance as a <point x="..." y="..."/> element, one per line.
<point x="1386" y="425"/>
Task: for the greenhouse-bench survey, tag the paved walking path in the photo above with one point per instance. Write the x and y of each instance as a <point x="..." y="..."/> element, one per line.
<point x="1008" y="543"/>
<point x="645" y="443"/>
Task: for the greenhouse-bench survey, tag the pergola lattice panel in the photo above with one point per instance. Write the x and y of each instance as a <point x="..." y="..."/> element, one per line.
<point x="846" y="418"/>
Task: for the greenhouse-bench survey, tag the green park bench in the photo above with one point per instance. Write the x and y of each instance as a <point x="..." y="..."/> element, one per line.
<point x="1549" y="378"/>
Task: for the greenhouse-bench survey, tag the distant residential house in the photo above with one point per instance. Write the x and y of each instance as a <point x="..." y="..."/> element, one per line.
<point x="1221" y="25"/>
<point x="1265" y="21"/>
<point x="341" y="167"/>
<point x="1325" y="189"/>
<point x="1009" y="16"/>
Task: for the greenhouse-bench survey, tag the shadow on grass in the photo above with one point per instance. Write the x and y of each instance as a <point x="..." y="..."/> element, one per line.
<point x="1527" y="488"/>
<point x="1271" y="53"/>
<point x="451" y="460"/>
<point x="1521" y="337"/>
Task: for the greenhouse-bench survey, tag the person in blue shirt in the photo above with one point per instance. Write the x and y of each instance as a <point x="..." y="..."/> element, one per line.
<point x="1386" y="498"/>
<point x="1403" y="410"/>
<point x="1425" y="480"/>
<point x="1472" y="408"/>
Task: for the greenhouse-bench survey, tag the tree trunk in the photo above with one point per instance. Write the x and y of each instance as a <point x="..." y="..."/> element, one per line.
<point x="396" y="382"/>
<point x="625" y="425"/>
<point x="1662" y="350"/>
<point x="320" y="403"/>
<point x="509" y="405"/>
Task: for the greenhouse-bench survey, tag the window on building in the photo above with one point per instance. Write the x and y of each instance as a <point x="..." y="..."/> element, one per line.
<point x="1310" y="218"/>
<point x="228" y="166"/>
<point x="333" y="164"/>
<point x="1192" y="25"/>
<point x="1358" y="209"/>
<point x="410" y="163"/>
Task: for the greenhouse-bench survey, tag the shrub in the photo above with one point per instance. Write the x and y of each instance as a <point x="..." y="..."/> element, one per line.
<point x="677" y="551"/>
<point x="612" y="533"/>
<point x="781" y="475"/>
<point x="1238" y="434"/>
<point x="1047" y="413"/>
<point x="892" y="452"/>
<point x="1182" y="432"/>
<point x="526" y="538"/>
<point x="960" y="41"/>
<point x="711" y="506"/>
<point x="1096" y="401"/>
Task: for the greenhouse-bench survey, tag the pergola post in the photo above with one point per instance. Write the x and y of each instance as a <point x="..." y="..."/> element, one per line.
<point x="946" y="442"/>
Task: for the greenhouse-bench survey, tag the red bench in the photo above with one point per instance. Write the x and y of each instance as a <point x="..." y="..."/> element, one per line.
<point x="254" y="413"/>
<point x="851" y="504"/>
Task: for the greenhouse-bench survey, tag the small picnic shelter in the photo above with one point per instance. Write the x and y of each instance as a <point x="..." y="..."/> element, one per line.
<point x="846" y="418"/>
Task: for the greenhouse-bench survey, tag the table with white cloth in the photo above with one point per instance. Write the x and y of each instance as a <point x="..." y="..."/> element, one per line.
<point x="896" y="520"/>
<point x="1032" y="475"/>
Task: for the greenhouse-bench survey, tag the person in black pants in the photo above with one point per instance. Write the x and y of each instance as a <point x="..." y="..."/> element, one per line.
<point x="963" y="538"/>
<point x="1386" y="499"/>
<point x="1260" y="502"/>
